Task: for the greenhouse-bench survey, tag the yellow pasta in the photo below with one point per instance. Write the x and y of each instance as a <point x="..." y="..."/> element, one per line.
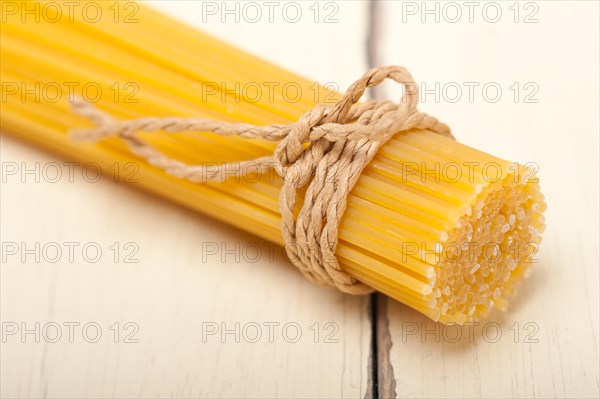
<point x="444" y="228"/>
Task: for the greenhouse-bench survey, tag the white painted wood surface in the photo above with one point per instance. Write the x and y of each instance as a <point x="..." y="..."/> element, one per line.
<point x="178" y="290"/>
<point x="556" y="355"/>
<point x="172" y="293"/>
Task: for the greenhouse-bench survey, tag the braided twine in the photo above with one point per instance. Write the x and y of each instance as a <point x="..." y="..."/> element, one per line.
<point x="343" y="137"/>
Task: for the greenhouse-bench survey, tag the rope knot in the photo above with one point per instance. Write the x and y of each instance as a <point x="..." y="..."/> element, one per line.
<point x="325" y="151"/>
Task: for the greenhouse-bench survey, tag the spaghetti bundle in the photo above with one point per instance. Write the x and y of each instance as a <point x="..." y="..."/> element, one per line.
<point x="444" y="228"/>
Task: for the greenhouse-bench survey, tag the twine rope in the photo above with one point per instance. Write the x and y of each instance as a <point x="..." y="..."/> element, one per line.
<point x="343" y="138"/>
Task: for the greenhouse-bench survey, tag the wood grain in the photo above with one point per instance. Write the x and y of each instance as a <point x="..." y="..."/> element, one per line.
<point x="194" y="275"/>
<point x="192" y="278"/>
<point x="548" y="345"/>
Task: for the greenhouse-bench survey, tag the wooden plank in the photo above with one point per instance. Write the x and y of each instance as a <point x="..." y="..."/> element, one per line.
<point x="202" y="309"/>
<point x="548" y="345"/>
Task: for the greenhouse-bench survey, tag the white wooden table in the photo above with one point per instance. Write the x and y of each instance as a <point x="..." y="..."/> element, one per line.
<point x="156" y="315"/>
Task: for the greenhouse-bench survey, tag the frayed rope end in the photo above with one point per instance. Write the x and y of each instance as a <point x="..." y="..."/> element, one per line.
<point x="99" y="118"/>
